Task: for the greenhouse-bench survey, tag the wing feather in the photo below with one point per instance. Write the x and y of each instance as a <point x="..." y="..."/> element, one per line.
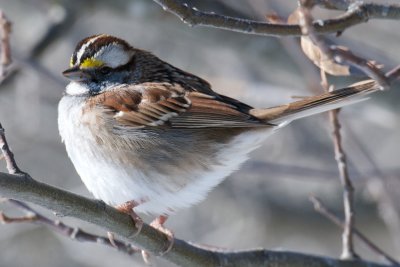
<point x="160" y="104"/>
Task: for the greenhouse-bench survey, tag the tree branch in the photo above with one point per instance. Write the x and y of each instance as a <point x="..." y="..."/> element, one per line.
<point x="183" y="254"/>
<point x="356" y="14"/>
<point x="334" y="53"/>
<point x="12" y="166"/>
<point x="5" y="54"/>
<point x="348" y="189"/>
<point x="59" y="227"/>
<point x="329" y="54"/>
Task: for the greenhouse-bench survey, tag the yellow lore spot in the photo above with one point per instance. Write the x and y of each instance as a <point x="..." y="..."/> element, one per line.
<point x="91" y="63"/>
<point x="71" y="64"/>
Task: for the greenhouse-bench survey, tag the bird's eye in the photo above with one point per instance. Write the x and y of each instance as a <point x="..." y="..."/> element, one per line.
<point x="105" y="70"/>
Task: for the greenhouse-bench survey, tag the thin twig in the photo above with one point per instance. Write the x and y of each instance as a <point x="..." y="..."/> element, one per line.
<point x="305" y="21"/>
<point x="335" y="53"/>
<point x="355" y="15"/>
<point x="393" y="74"/>
<point x="5" y="54"/>
<point x="12" y="166"/>
<point x="65" y="230"/>
<point x="7" y="220"/>
<point x="322" y="209"/>
<point x="342" y="56"/>
<point x="369" y="68"/>
<point x="348" y="189"/>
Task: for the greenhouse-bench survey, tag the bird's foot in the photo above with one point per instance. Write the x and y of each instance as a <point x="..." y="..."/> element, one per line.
<point x="158" y="224"/>
<point x="127" y="208"/>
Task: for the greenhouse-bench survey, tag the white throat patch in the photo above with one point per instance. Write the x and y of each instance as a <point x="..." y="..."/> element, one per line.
<point x="76" y="88"/>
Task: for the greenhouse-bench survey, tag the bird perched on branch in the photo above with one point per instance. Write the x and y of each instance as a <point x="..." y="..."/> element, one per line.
<point x="148" y="137"/>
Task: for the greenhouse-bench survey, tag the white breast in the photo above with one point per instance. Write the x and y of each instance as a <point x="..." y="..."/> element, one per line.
<point x="116" y="183"/>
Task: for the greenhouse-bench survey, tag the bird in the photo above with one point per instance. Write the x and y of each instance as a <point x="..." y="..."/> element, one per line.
<point x="148" y="137"/>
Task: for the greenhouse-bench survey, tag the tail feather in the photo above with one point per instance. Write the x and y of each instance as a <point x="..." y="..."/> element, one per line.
<point x="316" y="104"/>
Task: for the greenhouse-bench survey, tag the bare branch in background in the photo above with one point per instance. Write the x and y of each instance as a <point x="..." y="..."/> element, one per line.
<point x="7" y="220"/>
<point x="320" y="208"/>
<point x="367" y="66"/>
<point x="12" y="166"/>
<point x="5" y="26"/>
<point x="5" y="55"/>
<point x="65" y="230"/>
<point x="334" y="53"/>
<point x="329" y="54"/>
<point x="305" y="21"/>
<point x="348" y="189"/>
<point x="393" y="74"/>
<point x="357" y="14"/>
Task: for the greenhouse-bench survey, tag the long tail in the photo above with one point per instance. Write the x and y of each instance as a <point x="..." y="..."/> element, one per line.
<point x="316" y="104"/>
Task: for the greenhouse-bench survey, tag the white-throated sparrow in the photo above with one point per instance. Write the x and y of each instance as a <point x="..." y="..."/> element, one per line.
<point x="143" y="132"/>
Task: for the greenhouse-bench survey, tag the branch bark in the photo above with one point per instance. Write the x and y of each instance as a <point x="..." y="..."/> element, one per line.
<point x="329" y="54"/>
<point x="305" y="22"/>
<point x="357" y="14"/>
<point x="5" y="53"/>
<point x="59" y="227"/>
<point x="183" y="253"/>
<point x="12" y="166"/>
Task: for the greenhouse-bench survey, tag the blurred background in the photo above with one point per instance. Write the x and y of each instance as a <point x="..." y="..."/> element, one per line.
<point x="265" y="203"/>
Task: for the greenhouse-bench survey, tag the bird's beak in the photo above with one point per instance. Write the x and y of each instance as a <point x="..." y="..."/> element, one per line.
<point x="76" y="74"/>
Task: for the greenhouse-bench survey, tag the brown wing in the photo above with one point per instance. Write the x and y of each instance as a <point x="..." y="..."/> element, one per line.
<point x="163" y="104"/>
<point x="211" y="111"/>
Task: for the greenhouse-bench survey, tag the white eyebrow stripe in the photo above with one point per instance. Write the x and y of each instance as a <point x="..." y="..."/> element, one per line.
<point x="114" y="55"/>
<point x="83" y="48"/>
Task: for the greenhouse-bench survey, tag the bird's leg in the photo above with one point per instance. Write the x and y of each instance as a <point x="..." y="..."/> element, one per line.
<point x="158" y="224"/>
<point x="127" y="208"/>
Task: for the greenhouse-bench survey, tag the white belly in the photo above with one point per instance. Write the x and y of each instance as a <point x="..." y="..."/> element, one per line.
<point x="116" y="183"/>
